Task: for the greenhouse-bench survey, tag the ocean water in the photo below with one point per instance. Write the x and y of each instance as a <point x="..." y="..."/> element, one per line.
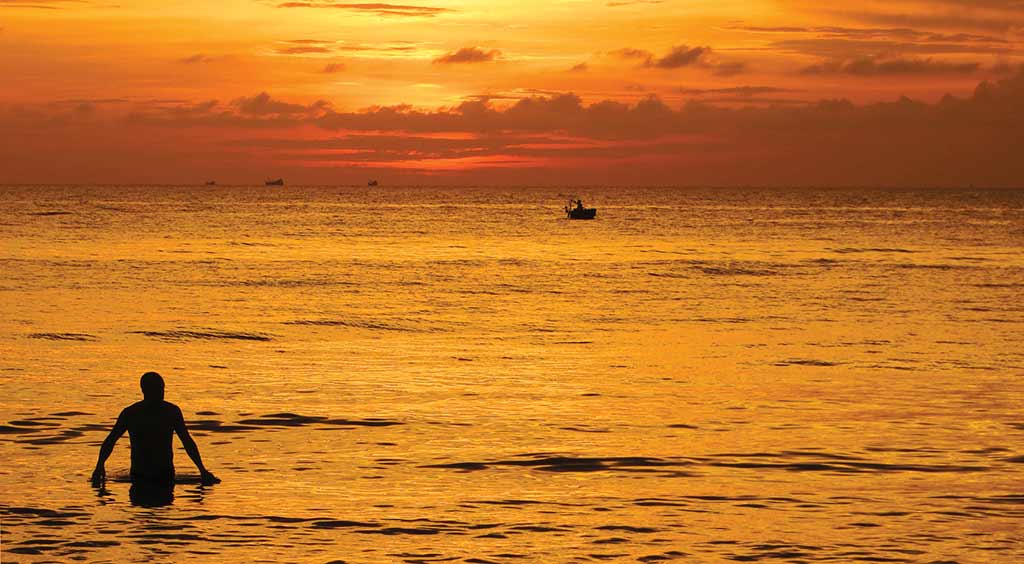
<point x="440" y="374"/>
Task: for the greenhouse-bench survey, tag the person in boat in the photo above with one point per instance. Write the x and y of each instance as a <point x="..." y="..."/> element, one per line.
<point x="579" y="204"/>
<point x="151" y="424"/>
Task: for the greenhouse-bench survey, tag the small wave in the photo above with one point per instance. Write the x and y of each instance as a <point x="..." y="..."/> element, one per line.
<point x="63" y="336"/>
<point x="206" y="334"/>
<point x="827" y="462"/>
<point x="284" y="420"/>
<point x="735" y="271"/>
<point x="270" y="282"/>
<point x="791" y="461"/>
<point x="880" y="366"/>
<point x="913" y="266"/>
<point x="847" y="250"/>
<point x="362" y="324"/>
<point x="577" y="464"/>
<point x="49" y="430"/>
<point x="585" y="430"/>
<point x="627" y="528"/>
<point x="294" y="420"/>
<point x="716" y="270"/>
<point x="250" y="244"/>
<point x="720" y="319"/>
<point x="50" y="213"/>
<point x="805" y="362"/>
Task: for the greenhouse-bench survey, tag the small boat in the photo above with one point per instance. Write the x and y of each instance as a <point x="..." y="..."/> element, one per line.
<point x="211" y="182"/>
<point x="276" y="182"/>
<point x="577" y="211"/>
<point x="372" y="183"/>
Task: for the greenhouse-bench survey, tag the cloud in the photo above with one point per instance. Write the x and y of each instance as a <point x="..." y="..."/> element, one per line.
<point x="737" y="90"/>
<point x="988" y="16"/>
<point x="876" y="66"/>
<point x="468" y="55"/>
<point x="581" y="67"/>
<point x="42" y="4"/>
<point x="308" y="41"/>
<point x="631" y="53"/>
<point x="378" y="9"/>
<point x="1004" y="69"/>
<point x="849" y="48"/>
<point x="303" y="50"/>
<point x="389" y="48"/>
<point x="321" y="48"/>
<point x="618" y="3"/>
<point x="196" y="59"/>
<point x="889" y="33"/>
<point x="1012" y="22"/>
<point x="332" y="68"/>
<point x="94" y="101"/>
<point x="263" y="105"/>
<point x="970" y="140"/>
<point x="682" y="56"/>
<point x="728" y="69"/>
<point x="998" y="4"/>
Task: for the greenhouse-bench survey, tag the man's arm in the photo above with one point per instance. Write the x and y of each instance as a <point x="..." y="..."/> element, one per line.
<point x="100" y="473"/>
<point x="192" y="450"/>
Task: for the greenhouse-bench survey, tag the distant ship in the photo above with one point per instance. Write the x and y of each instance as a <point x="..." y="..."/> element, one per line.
<point x="276" y="182"/>
<point x="578" y="211"/>
<point x="372" y="183"/>
<point x="211" y="182"/>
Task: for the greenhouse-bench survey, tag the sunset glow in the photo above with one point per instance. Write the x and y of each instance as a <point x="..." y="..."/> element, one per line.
<point x="638" y="91"/>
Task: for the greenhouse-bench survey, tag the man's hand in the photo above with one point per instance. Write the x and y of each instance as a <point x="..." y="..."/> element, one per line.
<point x="99" y="476"/>
<point x="207" y="478"/>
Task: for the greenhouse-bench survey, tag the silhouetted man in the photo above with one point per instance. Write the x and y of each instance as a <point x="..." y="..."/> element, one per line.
<point x="150" y="424"/>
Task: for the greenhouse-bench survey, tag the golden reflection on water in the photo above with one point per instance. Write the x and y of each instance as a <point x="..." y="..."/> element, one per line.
<point x="461" y="375"/>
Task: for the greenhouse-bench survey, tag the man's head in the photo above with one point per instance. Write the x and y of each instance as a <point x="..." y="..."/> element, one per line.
<point x="152" y="386"/>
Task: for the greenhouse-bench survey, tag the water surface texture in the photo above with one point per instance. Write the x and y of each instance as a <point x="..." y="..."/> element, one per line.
<point x="462" y="375"/>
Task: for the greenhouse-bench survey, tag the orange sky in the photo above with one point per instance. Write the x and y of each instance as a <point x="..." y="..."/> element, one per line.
<point x="563" y="91"/>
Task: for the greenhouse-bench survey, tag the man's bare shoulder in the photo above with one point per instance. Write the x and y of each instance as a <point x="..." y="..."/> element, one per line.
<point x="172" y="409"/>
<point x="165" y="408"/>
<point x="132" y="409"/>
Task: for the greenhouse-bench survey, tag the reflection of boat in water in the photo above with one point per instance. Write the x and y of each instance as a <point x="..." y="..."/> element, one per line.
<point x="577" y="211"/>
<point x="372" y="183"/>
<point x="276" y="182"/>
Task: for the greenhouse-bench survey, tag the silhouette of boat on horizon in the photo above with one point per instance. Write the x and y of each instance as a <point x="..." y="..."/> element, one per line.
<point x="275" y="182"/>
<point x="372" y="183"/>
<point x="211" y="182"/>
<point x="578" y="211"/>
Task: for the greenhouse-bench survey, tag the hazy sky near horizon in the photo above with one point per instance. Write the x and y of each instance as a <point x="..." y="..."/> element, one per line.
<point x="638" y="91"/>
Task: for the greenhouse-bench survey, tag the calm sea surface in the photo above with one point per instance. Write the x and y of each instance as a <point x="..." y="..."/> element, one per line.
<point x="461" y="375"/>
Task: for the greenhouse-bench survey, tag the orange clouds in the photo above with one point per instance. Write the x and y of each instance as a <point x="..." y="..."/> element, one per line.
<point x="696" y="91"/>
<point x="956" y="141"/>
<point x="468" y="55"/>
<point x="682" y="56"/>
<point x="378" y="9"/>
<point x="878" y="66"/>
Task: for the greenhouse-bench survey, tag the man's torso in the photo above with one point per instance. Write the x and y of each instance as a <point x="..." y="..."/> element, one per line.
<point x="151" y="430"/>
